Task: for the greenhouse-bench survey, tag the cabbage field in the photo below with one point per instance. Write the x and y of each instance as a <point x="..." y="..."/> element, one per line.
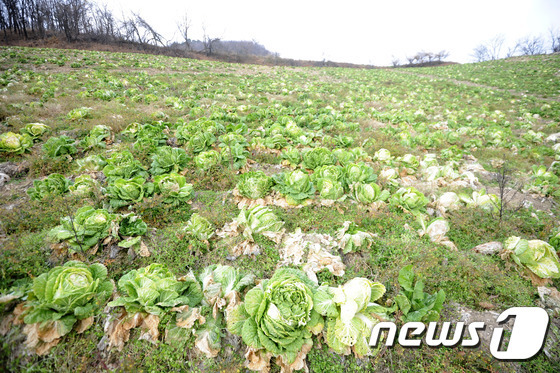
<point x="168" y="214"/>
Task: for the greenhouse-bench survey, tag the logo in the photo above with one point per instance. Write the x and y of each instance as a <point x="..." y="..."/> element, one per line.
<point x="526" y="339"/>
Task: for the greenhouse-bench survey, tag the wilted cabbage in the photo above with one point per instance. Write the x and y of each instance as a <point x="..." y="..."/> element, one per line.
<point x="367" y="193"/>
<point x="352" y="237"/>
<point x="351" y="314"/>
<point x="296" y="186"/>
<point x="389" y="176"/>
<point x="123" y="165"/>
<point x="318" y="157"/>
<point x="91" y="163"/>
<point x="538" y="256"/>
<point x="85" y="230"/>
<point x="257" y="220"/>
<point x="199" y="227"/>
<point x="344" y="156"/>
<point x="335" y="173"/>
<point x="123" y="192"/>
<point x="409" y="199"/>
<point x="329" y="189"/>
<point x="201" y="141"/>
<point x="291" y="157"/>
<point x="59" y="146"/>
<point x="358" y="172"/>
<point x="221" y="287"/>
<point x="35" y="130"/>
<point x="84" y="186"/>
<point x="62" y="297"/>
<point x="208" y="159"/>
<point x="254" y="184"/>
<point x="489" y="202"/>
<point x="277" y="316"/>
<point x="53" y="185"/>
<point x="173" y="188"/>
<point x="154" y="289"/>
<point x="96" y="137"/>
<point x="15" y="143"/>
<point x="429" y="161"/>
<point x="168" y="160"/>
<point x="382" y="155"/>
<point x="275" y="142"/>
<point x="410" y="163"/>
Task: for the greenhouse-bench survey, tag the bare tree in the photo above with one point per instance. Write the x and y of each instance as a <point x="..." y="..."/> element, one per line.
<point x="554" y="40"/>
<point x="512" y="51"/>
<point x="441" y="55"/>
<point x="395" y="61"/>
<point x="480" y="53"/>
<point x="495" y="46"/>
<point x="184" y="25"/>
<point x="530" y="46"/>
<point x="151" y="36"/>
<point x="209" y="43"/>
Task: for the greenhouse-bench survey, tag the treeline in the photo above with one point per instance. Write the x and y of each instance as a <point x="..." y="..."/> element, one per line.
<point x="422" y="58"/>
<point x="496" y="48"/>
<point x="87" y="21"/>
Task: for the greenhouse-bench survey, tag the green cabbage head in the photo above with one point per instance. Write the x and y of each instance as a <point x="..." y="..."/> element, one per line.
<point x="278" y="315"/>
<point x="53" y="185"/>
<point x="254" y="184"/>
<point x="35" y="130"/>
<point x="15" y="143"/>
<point x="68" y="293"/>
<point x="173" y="188"/>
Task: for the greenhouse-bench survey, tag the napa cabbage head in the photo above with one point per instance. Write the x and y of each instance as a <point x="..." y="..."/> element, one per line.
<point x="254" y="184"/>
<point x="351" y="314"/>
<point x="538" y="256"/>
<point x="278" y="316"/>
<point x="15" y="143"/>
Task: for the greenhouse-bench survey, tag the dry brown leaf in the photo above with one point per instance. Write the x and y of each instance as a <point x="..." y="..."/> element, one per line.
<point x="43" y="348"/>
<point x="202" y="344"/>
<point x="6" y="324"/>
<point x="150" y="324"/>
<point x="190" y="317"/>
<point x="232" y="299"/>
<point x="144" y="251"/>
<point x="489" y="248"/>
<point x="258" y="360"/>
<point x="83" y="325"/>
<point x="50" y="331"/>
<point x="299" y="362"/>
<point x="246" y="248"/>
<point x="118" y="329"/>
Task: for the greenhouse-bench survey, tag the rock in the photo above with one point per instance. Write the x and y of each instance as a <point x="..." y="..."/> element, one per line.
<point x="489" y="248"/>
<point x="14" y="170"/>
<point x="114" y="252"/>
<point x="4" y="179"/>
<point x="555" y="137"/>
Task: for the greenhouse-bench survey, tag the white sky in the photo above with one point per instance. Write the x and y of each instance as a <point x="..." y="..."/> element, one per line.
<point x="369" y="32"/>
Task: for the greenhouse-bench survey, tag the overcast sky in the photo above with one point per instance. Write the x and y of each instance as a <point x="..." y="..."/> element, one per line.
<point x="369" y="32"/>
